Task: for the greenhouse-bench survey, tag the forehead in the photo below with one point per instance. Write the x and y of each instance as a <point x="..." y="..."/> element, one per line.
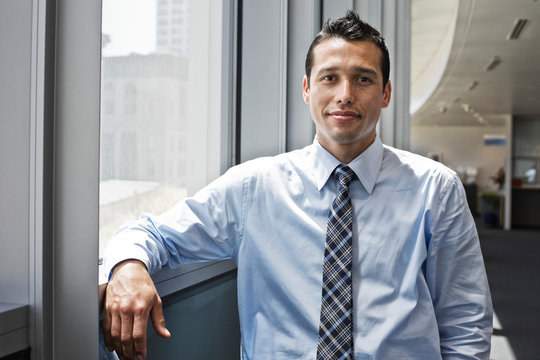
<point x="342" y="53"/>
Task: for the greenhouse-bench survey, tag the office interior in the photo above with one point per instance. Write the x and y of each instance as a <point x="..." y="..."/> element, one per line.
<point x="111" y="108"/>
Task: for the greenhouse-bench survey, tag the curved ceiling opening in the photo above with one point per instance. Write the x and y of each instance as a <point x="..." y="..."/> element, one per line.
<point x="433" y="26"/>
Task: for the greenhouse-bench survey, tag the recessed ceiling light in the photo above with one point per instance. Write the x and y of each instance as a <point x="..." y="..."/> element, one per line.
<point x="493" y="63"/>
<point x="517" y="29"/>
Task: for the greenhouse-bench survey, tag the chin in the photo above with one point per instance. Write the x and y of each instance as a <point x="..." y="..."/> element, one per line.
<point x="345" y="139"/>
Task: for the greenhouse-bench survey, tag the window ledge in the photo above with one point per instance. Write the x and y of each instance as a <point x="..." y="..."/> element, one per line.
<point x="13" y="328"/>
<point x="168" y="281"/>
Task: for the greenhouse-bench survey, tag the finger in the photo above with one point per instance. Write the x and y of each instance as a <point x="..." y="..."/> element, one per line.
<point x="106" y="330"/>
<point x="126" y="337"/>
<point x="158" y="320"/>
<point x="116" y="333"/>
<point x="139" y="331"/>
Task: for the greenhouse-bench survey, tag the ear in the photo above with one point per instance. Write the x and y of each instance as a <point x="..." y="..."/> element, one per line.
<point x="387" y="94"/>
<point x="305" y="88"/>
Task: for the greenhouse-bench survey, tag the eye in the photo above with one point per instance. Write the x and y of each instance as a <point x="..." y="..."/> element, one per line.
<point x="329" y="78"/>
<point x="364" y="80"/>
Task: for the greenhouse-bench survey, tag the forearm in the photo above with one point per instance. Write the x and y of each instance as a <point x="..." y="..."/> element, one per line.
<point x="134" y="243"/>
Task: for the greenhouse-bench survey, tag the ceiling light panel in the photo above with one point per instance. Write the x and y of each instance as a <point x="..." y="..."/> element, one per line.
<point x="517" y="29"/>
<point x="472" y="85"/>
<point x="493" y="63"/>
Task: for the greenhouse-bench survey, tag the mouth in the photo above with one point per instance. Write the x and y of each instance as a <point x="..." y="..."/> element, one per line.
<point x="344" y="115"/>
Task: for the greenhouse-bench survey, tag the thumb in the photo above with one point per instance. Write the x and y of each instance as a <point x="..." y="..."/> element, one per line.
<point x="158" y="320"/>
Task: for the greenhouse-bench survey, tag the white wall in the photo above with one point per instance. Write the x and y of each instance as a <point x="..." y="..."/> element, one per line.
<point x="462" y="146"/>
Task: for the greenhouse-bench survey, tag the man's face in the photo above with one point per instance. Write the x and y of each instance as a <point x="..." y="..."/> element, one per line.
<point x="346" y="95"/>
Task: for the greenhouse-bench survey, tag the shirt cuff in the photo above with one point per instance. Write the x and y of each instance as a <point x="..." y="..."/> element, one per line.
<point x="121" y="248"/>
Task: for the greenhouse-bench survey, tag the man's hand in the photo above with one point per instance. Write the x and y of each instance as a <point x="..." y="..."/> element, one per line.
<point x="129" y="299"/>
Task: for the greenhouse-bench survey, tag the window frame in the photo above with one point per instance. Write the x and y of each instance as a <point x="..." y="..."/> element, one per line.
<point x="74" y="293"/>
<point x="173" y="280"/>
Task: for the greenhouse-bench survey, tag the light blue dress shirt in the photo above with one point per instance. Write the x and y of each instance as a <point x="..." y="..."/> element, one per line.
<point x="419" y="285"/>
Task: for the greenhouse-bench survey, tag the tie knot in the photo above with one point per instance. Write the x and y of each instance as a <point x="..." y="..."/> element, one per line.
<point x="344" y="174"/>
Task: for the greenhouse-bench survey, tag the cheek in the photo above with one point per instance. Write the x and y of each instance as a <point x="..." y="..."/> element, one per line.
<point x="319" y="99"/>
<point x="314" y="102"/>
<point x="374" y="103"/>
<point x="315" y="111"/>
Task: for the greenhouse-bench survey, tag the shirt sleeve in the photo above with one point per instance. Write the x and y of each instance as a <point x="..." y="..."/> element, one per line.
<point x="205" y="227"/>
<point x="457" y="279"/>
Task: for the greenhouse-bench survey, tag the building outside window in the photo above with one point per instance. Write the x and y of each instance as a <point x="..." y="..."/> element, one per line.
<point x="157" y="145"/>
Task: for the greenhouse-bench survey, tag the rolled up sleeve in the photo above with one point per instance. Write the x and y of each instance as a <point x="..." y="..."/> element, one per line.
<point x="205" y="227"/>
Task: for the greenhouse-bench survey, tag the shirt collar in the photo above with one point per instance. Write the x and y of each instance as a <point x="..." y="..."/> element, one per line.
<point x="366" y="166"/>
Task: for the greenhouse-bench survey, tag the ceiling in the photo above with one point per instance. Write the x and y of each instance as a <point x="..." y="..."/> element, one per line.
<point x="452" y="43"/>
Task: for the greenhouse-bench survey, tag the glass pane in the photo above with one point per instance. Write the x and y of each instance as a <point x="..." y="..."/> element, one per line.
<point x="525" y="169"/>
<point x="203" y="322"/>
<point x="160" y="112"/>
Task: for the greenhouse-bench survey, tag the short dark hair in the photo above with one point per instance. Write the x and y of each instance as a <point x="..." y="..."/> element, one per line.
<point x="351" y="28"/>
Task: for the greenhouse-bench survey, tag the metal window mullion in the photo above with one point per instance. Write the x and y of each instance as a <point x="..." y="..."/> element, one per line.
<point x="76" y="179"/>
<point x="263" y="78"/>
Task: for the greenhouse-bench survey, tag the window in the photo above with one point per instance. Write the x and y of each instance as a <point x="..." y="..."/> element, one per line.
<point x="161" y="109"/>
<point x="526" y="151"/>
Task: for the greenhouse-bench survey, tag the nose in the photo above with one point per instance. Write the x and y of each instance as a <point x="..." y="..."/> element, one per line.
<point x="345" y="93"/>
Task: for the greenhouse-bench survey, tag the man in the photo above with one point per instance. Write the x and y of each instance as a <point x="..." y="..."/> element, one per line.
<point x="393" y="272"/>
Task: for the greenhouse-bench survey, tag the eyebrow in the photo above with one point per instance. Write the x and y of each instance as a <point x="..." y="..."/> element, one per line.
<point x="357" y="70"/>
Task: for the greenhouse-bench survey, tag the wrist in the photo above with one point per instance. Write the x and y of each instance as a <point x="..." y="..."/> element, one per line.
<point x="128" y="263"/>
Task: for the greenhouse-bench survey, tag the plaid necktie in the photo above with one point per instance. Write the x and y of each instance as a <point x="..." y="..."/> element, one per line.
<point x="335" y="329"/>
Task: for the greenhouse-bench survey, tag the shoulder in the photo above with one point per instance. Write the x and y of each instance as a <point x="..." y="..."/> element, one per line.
<point x="412" y="167"/>
<point x="272" y="165"/>
<point x="396" y="158"/>
<point x="265" y="171"/>
<point x="438" y="186"/>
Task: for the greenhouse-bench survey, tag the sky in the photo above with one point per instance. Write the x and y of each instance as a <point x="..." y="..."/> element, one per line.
<point x="130" y="25"/>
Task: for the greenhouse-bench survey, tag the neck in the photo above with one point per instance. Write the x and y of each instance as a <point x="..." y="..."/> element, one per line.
<point x="346" y="153"/>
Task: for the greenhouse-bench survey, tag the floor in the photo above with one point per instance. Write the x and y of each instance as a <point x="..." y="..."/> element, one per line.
<point x="512" y="260"/>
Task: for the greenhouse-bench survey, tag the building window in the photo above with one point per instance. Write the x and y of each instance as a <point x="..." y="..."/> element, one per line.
<point x="153" y="133"/>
